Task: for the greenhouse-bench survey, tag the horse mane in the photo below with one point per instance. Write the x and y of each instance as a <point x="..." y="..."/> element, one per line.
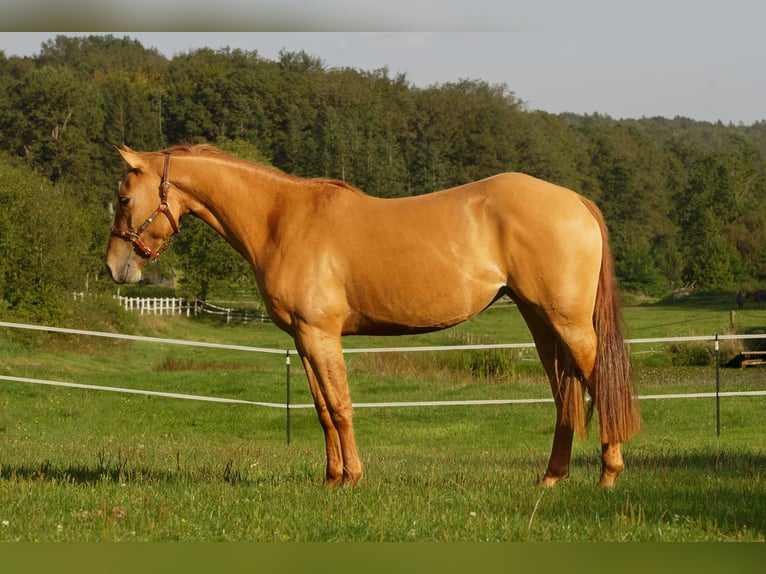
<point x="196" y="149"/>
<point x="212" y="151"/>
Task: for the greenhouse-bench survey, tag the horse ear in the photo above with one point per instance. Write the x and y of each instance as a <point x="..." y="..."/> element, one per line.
<point x="132" y="158"/>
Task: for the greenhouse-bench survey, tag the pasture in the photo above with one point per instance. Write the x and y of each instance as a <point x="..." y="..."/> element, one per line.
<point x="83" y="465"/>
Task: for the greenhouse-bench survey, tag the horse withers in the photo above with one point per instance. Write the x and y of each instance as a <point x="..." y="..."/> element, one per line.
<point x="331" y="261"/>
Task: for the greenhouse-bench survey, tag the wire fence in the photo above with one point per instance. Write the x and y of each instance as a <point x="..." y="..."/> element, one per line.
<point x="715" y="340"/>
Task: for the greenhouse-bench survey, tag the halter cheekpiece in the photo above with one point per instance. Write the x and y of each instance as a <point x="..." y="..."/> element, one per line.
<point x="135" y="236"/>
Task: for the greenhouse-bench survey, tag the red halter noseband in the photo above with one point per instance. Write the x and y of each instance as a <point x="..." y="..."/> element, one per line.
<point x="135" y="236"/>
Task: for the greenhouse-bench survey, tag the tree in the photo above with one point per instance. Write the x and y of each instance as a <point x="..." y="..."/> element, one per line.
<point x="551" y="148"/>
<point x="464" y="131"/>
<point x="361" y="129"/>
<point x="60" y="125"/>
<point x="624" y="176"/>
<point x="133" y="109"/>
<point x="637" y="269"/>
<point x="706" y="211"/>
<point x="215" y="95"/>
<point x="43" y="256"/>
<point x="89" y="55"/>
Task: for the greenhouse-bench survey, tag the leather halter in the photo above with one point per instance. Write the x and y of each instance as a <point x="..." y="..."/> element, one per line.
<point x="135" y="236"/>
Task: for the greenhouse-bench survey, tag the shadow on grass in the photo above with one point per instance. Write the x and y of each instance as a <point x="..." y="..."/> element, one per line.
<point x="83" y="474"/>
<point x="228" y="471"/>
<point x="722" y="490"/>
<point x="91" y="475"/>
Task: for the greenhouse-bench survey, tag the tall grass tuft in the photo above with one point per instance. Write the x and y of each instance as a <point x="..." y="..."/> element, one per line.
<point x="480" y="366"/>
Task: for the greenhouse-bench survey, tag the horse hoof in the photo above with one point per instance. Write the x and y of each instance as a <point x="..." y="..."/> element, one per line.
<point x="351" y="479"/>
<point x="549" y="480"/>
<point x="607" y="481"/>
<point x="331" y="481"/>
<point x="609" y="474"/>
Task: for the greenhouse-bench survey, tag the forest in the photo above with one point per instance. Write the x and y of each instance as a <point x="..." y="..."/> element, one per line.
<point x="684" y="199"/>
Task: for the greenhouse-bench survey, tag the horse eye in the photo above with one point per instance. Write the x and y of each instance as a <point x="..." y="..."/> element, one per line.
<point x="124" y="201"/>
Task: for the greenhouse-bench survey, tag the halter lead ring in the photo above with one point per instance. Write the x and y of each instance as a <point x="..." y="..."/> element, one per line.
<point x="135" y="236"/>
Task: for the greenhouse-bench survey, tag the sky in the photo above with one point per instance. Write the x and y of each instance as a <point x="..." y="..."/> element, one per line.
<point x="700" y="59"/>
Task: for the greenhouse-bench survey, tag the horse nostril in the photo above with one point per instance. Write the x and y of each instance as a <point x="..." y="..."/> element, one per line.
<point x="112" y="276"/>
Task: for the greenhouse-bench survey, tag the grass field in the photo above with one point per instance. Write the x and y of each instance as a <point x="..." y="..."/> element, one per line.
<point x="83" y="465"/>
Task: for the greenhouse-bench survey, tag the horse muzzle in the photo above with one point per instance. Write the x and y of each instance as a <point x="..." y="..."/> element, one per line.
<point x="125" y="269"/>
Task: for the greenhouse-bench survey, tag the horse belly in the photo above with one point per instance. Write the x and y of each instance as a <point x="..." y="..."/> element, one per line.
<point x="419" y="295"/>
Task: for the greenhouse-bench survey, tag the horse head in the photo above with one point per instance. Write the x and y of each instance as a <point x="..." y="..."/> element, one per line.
<point x="138" y="234"/>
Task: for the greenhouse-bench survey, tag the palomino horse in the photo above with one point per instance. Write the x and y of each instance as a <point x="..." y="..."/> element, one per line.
<point x="332" y="261"/>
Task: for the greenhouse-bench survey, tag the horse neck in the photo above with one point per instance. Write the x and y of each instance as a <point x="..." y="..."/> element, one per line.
<point x="236" y="199"/>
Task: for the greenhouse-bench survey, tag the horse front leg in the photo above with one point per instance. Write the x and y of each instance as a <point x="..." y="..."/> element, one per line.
<point x="326" y="371"/>
<point x="334" y="472"/>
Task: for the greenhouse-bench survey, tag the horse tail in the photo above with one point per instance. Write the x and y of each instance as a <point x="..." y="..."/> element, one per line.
<point x="610" y="384"/>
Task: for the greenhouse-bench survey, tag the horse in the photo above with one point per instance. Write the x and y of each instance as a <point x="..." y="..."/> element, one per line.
<point x="331" y="261"/>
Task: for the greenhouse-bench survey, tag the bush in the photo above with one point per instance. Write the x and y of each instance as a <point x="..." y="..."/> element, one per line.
<point x="43" y="250"/>
<point x="484" y="364"/>
<point x="692" y="355"/>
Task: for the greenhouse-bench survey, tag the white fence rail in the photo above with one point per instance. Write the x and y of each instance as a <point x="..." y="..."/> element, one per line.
<point x="184" y="307"/>
<point x="288" y="406"/>
<point x="158" y="305"/>
<point x="232" y="314"/>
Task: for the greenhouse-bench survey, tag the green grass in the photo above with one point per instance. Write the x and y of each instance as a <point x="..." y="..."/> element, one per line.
<point x="81" y="465"/>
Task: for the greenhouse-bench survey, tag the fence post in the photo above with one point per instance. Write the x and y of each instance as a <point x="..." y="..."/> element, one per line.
<point x="717" y="388"/>
<point x="287" y="399"/>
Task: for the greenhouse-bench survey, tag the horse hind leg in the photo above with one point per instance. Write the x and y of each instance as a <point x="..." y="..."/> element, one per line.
<point x="584" y="350"/>
<point x="581" y="370"/>
<point x="565" y="388"/>
<point x="569" y="356"/>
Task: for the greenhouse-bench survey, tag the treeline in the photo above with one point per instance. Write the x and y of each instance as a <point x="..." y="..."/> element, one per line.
<point x="684" y="199"/>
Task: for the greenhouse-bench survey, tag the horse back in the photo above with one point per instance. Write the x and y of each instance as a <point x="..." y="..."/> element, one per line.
<point x="431" y="261"/>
